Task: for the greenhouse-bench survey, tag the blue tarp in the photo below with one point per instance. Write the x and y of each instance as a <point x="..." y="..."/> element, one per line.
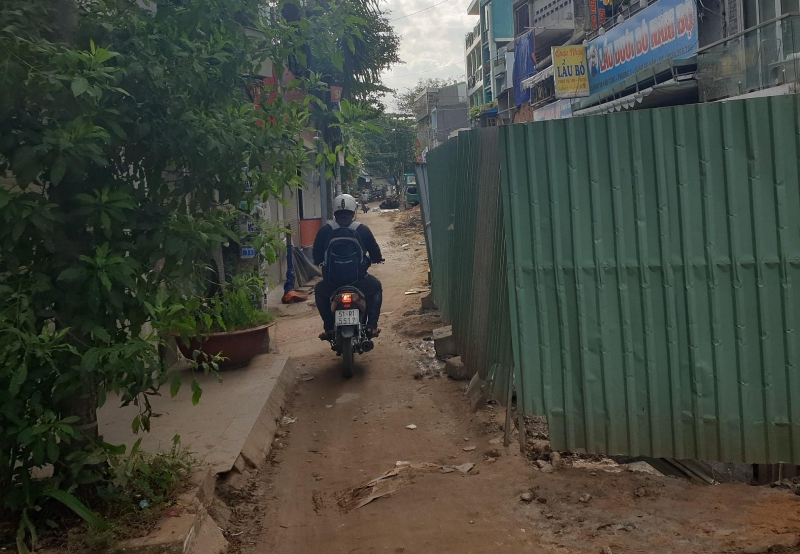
<point x="524" y="66"/>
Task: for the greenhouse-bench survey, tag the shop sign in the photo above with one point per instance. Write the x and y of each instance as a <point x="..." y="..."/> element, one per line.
<point x="663" y="31"/>
<point x="570" y="73"/>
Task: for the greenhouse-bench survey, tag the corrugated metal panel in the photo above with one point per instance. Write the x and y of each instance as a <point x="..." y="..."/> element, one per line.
<point x="421" y="172"/>
<point x="468" y="253"/>
<point x="442" y="165"/>
<point x="654" y="265"/>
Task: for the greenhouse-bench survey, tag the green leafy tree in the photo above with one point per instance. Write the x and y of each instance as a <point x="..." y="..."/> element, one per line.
<point x="386" y="148"/>
<point x="405" y="100"/>
<point x="356" y="59"/>
<point x="126" y="140"/>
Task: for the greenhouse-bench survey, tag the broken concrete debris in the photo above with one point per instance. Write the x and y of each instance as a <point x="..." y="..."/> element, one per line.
<point x="428" y="303"/>
<point x="544" y="467"/>
<point x="456" y="369"/>
<point x="444" y="342"/>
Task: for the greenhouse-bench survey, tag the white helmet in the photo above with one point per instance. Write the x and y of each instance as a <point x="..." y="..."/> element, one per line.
<point x="345" y="202"/>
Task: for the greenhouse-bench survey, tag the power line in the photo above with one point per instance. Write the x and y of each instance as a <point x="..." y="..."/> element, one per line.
<point x="418" y="11"/>
<point x="420" y="72"/>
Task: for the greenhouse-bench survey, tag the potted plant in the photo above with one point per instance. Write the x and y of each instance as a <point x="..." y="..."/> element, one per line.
<point x="226" y="328"/>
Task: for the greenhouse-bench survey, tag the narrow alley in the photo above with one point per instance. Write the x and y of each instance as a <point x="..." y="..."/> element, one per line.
<point x="400" y="413"/>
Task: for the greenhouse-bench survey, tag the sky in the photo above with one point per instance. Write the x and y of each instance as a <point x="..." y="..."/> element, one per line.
<point x="432" y="41"/>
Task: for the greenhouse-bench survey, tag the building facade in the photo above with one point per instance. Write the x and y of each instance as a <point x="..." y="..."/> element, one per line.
<point x="484" y="50"/>
<point x="638" y="54"/>
<point x="438" y="113"/>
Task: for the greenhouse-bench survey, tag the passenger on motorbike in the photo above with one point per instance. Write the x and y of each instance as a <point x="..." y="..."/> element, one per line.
<point x="345" y="207"/>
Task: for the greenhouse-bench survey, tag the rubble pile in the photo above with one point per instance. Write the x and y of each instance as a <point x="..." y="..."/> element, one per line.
<point x="409" y="223"/>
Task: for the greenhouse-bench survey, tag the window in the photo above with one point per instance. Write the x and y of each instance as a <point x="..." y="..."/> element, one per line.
<point x="760" y="11"/>
<point x="521" y="20"/>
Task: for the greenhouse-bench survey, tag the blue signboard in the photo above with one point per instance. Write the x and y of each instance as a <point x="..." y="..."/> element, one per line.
<point x="662" y="31"/>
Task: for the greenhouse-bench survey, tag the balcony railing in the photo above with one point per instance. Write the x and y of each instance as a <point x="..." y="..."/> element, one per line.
<point x="472" y="36"/>
<point x="626" y="12"/>
<point x="764" y="56"/>
<point x="474" y="80"/>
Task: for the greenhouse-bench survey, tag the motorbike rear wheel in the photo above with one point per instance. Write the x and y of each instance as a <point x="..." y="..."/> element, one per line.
<point x="347" y="358"/>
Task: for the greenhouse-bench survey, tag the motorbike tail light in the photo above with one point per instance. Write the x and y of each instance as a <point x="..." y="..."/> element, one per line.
<point x="346" y="298"/>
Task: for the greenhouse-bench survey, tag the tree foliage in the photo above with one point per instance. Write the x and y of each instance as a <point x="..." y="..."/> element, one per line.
<point x="354" y="60"/>
<point x="405" y="99"/>
<point x="386" y="149"/>
<point x="124" y="154"/>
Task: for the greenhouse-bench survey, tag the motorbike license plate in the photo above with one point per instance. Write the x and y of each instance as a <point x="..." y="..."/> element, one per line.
<point x="346" y="317"/>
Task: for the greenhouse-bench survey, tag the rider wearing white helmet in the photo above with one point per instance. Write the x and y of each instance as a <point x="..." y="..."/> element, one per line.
<point x="345" y="207"/>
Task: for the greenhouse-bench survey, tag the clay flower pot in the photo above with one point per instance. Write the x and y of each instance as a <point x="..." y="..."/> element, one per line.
<point x="239" y="347"/>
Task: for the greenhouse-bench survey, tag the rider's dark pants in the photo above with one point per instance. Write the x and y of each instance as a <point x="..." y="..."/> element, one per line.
<point x="369" y="285"/>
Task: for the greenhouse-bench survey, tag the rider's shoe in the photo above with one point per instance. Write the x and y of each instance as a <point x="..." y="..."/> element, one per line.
<point x="326" y="335"/>
<point x="373" y="333"/>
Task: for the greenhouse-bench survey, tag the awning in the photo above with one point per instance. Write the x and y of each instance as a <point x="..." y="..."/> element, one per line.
<point x="669" y="93"/>
<point x="683" y="68"/>
<point x="538" y="78"/>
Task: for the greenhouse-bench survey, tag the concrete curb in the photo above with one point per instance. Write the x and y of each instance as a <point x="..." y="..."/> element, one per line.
<point x="194" y="531"/>
<point x="251" y="437"/>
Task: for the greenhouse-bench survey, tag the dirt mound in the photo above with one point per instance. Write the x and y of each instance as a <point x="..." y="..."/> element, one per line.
<point x="418" y="325"/>
<point x="409" y="223"/>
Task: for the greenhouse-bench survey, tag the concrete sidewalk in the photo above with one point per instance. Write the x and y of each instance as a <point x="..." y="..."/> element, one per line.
<point x="235" y="416"/>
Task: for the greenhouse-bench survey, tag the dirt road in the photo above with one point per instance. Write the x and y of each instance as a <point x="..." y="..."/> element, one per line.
<point x="348" y="432"/>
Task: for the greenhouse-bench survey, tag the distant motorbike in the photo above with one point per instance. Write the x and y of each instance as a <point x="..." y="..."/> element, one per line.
<point x="364" y="207"/>
<point x="349" y="306"/>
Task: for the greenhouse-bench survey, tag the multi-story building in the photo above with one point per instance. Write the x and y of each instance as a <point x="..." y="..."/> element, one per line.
<point x="486" y="62"/>
<point x="753" y="51"/>
<point x="639" y="53"/>
<point x="474" y="63"/>
<point x="438" y="113"/>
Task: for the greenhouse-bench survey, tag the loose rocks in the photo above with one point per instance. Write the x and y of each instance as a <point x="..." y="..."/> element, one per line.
<point x="544" y="467"/>
<point x="540" y="447"/>
<point x="456" y="369"/>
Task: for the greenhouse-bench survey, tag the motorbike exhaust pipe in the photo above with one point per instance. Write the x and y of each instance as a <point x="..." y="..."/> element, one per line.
<point x="367" y="345"/>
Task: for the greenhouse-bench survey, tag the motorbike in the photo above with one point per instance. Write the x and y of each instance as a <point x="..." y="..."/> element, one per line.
<point x="364" y="207"/>
<point x="349" y="306"/>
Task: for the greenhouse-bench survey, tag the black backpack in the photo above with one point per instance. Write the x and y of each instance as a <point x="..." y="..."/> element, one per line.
<point x="345" y="262"/>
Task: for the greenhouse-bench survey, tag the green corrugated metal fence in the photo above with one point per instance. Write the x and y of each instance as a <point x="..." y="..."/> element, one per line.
<point x="653" y="260"/>
<point x="468" y="268"/>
